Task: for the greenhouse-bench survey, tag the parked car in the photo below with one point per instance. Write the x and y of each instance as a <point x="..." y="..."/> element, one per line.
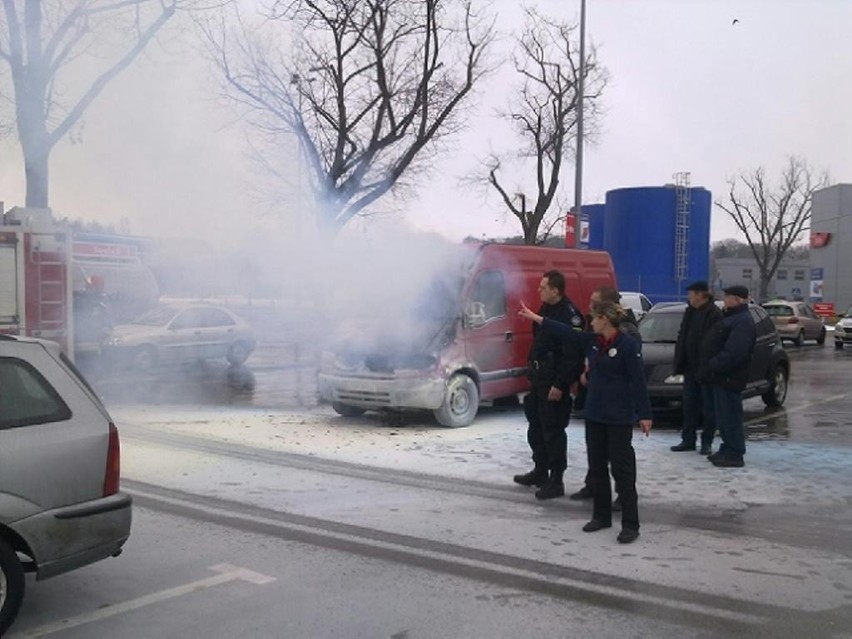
<point x="796" y="321"/>
<point x="169" y="334"/>
<point x="843" y="330"/>
<point x="636" y="302"/>
<point x="770" y="366"/>
<point x="60" y="503"/>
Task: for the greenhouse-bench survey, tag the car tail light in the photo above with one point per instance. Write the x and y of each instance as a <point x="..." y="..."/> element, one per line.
<point x="113" y="464"/>
<point x="793" y="320"/>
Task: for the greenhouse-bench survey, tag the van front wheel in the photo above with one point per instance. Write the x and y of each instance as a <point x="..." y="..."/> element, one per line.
<point x="461" y="402"/>
<point x="11" y="586"/>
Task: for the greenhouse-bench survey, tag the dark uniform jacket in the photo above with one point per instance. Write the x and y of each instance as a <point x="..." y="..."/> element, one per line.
<point x="617" y="391"/>
<point x="727" y="349"/>
<point x="694" y="327"/>
<point x="552" y="360"/>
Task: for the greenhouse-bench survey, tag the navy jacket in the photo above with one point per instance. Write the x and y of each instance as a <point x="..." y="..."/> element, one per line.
<point x="554" y="361"/>
<point x="727" y="349"/>
<point x="694" y="326"/>
<point x="617" y="392"/>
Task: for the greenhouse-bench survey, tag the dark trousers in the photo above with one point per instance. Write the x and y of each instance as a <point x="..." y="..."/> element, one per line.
<point x="546" y="431"/>
<point x="611" y="449"/>
<point x="698" y="411"/>
<point x="728" y="406"/>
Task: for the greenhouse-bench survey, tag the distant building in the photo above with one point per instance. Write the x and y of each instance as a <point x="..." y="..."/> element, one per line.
<point x="791" y="281"/>
<point x="831" y="247"/>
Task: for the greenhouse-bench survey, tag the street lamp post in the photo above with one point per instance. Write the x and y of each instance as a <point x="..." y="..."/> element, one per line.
<point x="578" y="167"/>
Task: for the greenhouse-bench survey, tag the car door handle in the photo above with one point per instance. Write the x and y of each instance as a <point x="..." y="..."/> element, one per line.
<point x="508" y="336"/>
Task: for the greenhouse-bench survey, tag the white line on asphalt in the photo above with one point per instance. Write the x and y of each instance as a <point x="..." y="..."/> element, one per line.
<point x="227" y="573"/>
<point x="795" y="409"/>
<point x="627" y="594"/>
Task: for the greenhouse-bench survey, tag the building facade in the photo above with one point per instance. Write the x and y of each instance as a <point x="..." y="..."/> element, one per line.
<point x="791" y="281"/>
<point x="831" y="247"/>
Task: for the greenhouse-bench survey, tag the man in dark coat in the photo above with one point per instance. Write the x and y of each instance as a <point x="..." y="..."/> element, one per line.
<point x="726" y="354"/>
<point x="700" y="316"/>
<point x="555" y="365"/>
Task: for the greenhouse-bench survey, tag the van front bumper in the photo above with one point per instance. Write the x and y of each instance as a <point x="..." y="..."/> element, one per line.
<point x="368" y="393"/>
<point x="70" y="537"/>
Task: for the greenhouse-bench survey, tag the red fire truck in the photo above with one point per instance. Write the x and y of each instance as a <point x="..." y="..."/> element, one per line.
<point x="47" y="273"/>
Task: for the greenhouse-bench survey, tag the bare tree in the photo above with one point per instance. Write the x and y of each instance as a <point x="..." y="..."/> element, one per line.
<point x="772" y="220"/>
<point x="369" y="88"/>
<point x="41" y="39"/>
<point x="545" y="115"/>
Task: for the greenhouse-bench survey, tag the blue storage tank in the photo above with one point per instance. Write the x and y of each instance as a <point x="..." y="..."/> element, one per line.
<point x="639" y="234"/>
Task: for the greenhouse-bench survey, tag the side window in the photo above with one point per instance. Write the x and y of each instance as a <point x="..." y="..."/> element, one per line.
<point x="490" y="291"/>
<point x="646" y="303"/>
<point x="26" y="397"/>
<point x="190" y="318"/>
<point x="216" y="317"/>
<point x="763" y="323"/>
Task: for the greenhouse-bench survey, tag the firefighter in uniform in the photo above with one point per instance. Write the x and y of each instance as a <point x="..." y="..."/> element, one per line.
<point x="554" y="365"/>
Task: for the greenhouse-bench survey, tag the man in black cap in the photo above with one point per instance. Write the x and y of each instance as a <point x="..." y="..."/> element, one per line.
<point x="700" y="316"/>
<point x="726" y="355"/>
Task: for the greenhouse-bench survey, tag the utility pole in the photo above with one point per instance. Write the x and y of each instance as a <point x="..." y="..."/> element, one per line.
<point x="578" y="167"/>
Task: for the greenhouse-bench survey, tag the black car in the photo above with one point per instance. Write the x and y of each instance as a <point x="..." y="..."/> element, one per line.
<point x="770" y="366"/>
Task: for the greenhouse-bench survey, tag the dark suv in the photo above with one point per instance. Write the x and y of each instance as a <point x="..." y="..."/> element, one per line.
<point x="770" y="366"/>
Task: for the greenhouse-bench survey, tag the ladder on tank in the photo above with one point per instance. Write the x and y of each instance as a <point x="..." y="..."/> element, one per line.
<point x="49" y="264"/>
<point x="683" y="206"/>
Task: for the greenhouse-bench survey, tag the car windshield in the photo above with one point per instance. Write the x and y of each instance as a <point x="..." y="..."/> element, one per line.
<point x="660" y="327"/>
<point x="778" y="310"/>
<point x="156" y="317"/>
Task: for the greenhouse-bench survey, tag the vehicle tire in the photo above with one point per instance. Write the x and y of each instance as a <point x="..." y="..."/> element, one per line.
<point x="800" y="338"/>
<point x="821" y="338"/>
<point x="777" y="393"/>
<point x="145" y="358"/>
<point x="238" y="353"/>
<point x="461" y="402"/>
<point x="348" y="411"/>
<point x="12" y="585"/>
<point x="838" y="345"/>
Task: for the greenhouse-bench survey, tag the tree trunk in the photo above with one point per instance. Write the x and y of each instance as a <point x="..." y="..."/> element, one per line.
<point x="763" y="290"/>
<point x="36" y="168"/>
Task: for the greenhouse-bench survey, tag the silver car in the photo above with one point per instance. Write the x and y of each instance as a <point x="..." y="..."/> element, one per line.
<point x="169" y="334"/>
<point x="60" y="504"/>
<point x="796" y="321"/>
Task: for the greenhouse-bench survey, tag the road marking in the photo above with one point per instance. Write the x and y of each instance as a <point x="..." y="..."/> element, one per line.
<point x="227" y="573"/>
<point x="785" y="411"/>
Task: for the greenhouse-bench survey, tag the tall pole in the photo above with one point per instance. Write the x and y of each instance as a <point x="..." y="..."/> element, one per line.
<point x="578" y="167"/>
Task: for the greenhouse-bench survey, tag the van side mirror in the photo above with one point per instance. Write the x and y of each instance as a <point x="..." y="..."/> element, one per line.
<point x="474" y="316"/>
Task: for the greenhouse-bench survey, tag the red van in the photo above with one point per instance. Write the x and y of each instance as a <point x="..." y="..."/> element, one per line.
<point x="473" y="348"/>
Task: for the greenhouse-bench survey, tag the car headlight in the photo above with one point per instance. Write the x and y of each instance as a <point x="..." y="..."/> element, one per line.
<point x="674" y="379"/>
<point x="838" y="329"/>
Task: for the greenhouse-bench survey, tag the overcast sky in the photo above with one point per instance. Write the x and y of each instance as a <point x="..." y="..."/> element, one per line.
<point x="688" y="91"/>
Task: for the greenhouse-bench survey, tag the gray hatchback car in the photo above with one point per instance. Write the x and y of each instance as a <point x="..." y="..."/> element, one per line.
<point x="60" y="503"/>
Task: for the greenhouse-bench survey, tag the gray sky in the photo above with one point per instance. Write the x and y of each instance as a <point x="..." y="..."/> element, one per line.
<point x="688" y="91"/>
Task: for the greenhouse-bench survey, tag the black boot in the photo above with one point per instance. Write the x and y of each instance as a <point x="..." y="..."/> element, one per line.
<point x="535" y="477"/>
<point x="682" y="447"/>
<point x="551" y="490"/>
<point x="584" y="493"/>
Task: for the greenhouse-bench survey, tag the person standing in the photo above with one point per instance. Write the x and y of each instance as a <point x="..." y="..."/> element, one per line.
<point x="628" y="326"/>
<point x="554" y="366"/>
<point x="617" y="398"/>
<point x="700" y="316"/>
<point x="726" y="354"/>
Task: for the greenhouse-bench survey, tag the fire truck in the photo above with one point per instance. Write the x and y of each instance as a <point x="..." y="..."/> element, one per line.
<point x="49" y="277"/>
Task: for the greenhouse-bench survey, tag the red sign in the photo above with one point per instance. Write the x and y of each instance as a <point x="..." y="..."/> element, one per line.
<point x="571" y="230"/>
<point x="819" y="240"/>
<point x="824" y="309"/>
<point x="113" y="251"/>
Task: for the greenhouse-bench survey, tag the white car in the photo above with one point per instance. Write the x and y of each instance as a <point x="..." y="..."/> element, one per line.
<point x="843" y="330"/>
<point x="180" y="334"/>
<point x="636" y="302"/>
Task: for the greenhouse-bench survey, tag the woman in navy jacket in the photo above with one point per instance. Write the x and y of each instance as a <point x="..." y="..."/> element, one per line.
<point x="617" y="396"/>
